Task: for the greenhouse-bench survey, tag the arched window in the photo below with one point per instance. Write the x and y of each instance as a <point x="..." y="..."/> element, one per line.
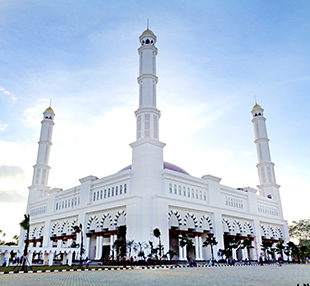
<point x="120" y="189"/>
<point x="196" y="194"/>
<point x="94" y="197"/>
<point x="56" y="206"/>
<point x="105" y="193"/>
<point x="116" y="190"/>
<point x="97" y="195"/>
<point x="180" y="190"/>
<point x="200" y="194"/>
<point x="184" y="191"/>
<point x="112" y="191"/>
<point x="108" y="192"/>
<point x="188" y="192"/>
<point x="170" y="188"/>
<point x="147" y="41"/>
<point x="101" y="195"/>
<point x="193" y="193"/>
<point x="125" y="189"/>
<point x="175" y="189"/>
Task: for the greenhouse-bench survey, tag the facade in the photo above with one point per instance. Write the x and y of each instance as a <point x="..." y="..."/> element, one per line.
<point x="151" y="193"/>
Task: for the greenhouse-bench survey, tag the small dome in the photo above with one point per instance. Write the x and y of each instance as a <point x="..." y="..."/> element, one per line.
<point x="256" y="106"/>
<point x="147" y="31"/>
<point x="49" y="109"/>
<point x="167" y="166"/>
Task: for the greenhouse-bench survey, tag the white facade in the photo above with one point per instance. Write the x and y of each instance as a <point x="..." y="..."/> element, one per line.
<point x="151" y="193"/>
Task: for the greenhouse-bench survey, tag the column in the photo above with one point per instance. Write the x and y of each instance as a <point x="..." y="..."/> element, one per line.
<point x="185" y="253"/>
<point x="196" y="248"/>
<point x="234" y="253"/>
<point x="244" y="254"/>
<point x="70" y="254"/>
<point x="97" y="248"/>
<point x="200" y="247"/>
<point x="7" y="258"/>
<point x="115" y="238"/>
<point x="50" y="258"/>
<point x="29" y="257"/>
<point x="181" y="253"/>
<point x="100" y="247"/>
<point x="111" y="245"/>
<point x="69" y="242"/>
<point x="87" y="246"/>
<point x="59" y="243"/>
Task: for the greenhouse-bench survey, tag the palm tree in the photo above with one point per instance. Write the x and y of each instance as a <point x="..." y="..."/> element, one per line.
<point x="247" y="243"/>
<point x="266" y="247"/>
<point x="185" y="241"/>
<point x="157" y="234"/>
<point x="280" y="247"/>
<point x="25" y="224"/>
<point x="210" y="240"/>
<point x="130" y="245"/>
<point x="171" y="254"/>
<point x="79" y="229"/>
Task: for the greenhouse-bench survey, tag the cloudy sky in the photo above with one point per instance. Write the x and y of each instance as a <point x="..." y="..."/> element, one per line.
<point x="214" y="57"/>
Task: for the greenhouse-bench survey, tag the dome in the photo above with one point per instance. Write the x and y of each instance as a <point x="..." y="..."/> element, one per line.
<point x="167" y="166"/>
<point x="256" y="106"/>
<point x="147" y="31"/>
<point x="49" y="110"/>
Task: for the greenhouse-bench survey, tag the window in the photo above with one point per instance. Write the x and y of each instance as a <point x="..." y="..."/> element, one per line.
<point x="120" y="189"/>
<point x="180" y="191"/>
<point x="175" y="189"/>
<point x="94" y="197"/>
<point x="200" y="194"/>
<point x="170" y="188"/>
<point x="125" y="188"/>
<point x="116" y="190"/>
<point x="56" y="206"/>
<point x="75" y="201"/>
<point x="65" y="203"/>
<point x="72" y="203"/>
<point x="184" y="191"/>
<point x="78" y="200"/>
<point x="193" y="193"/>
<point x="97" y="195"/>
<point x="108" y="192"/>
<point x="196" y="194"/>
<point x="101" y="195"/>
<point x="62" y="204"/>
<point x="105" y="193"/>
<point x="188" y="192"/>
<point x="112" y="191"/>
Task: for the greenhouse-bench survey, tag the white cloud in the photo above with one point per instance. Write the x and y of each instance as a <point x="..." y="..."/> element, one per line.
<point x="33" y="115"/>
<point x="247" y="153"/>
<point x="7" y="93"/>
<point x="3" y="126"/>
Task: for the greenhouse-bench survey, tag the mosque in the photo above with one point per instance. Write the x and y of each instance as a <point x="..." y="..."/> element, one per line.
<point x="151" y="193"/>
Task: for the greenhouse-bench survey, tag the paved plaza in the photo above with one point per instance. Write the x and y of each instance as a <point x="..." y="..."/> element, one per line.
<point x="234" y="275"/>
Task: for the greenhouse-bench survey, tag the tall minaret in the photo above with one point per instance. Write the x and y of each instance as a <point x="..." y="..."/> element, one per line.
<point x="147" y="115"/>
<point x="41" y="168"/>
<point x="268" y="186"/>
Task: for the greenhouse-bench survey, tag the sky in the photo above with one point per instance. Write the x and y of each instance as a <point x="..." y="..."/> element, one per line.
<point x="213" y="58"/>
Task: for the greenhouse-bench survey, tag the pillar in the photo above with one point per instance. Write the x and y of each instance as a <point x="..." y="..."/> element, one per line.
<point x="29" y="257"/>
<point x="70" y="254"/>
<point x="234" y="253"/>
<point x="244" y="253"/>
<point x="115" y="238"/>
<point x="200" y="247"/>
<point x="111" y="245"/>
<point x="181" y="253"/>
<point x="59" y="243"/>
<point x="50" y="258"/>
<point x="87" y="246"/>
<point x="196" y="248"/>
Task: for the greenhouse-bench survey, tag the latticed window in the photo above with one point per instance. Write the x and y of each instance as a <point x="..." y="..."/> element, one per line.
<point x="120" y="189"/>
<point x="170" y="188"/>
<point x="116" y="190"/>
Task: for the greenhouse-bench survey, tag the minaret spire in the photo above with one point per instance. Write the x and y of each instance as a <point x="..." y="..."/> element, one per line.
<point x="265" y="166"/>
<point x="147" y="115"/>
<point x="41" y="168"/>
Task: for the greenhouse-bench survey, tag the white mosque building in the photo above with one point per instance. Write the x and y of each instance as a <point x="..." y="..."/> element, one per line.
<point x="151" y="193"/>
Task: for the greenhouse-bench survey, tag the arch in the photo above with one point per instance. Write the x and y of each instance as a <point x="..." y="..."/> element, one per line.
<point x="226" y="225"/>
<point x="40" y="231"/>
<point x="73" y="223"/>
<point x="32" y="233"/>
<point x="120" y="218"/>
<point x="93" y="222"/>
<point x="174" y="219"/>
<point x="62" y="227"/>
<point x="106" y="221"/>
<point x="205" y="223"/>
<point x="248" y="228"/>
<point x="237" y="226"/>
<point x="194" y="223"/>
<point x="55" y="228"/>
<point x="279" y="232"/>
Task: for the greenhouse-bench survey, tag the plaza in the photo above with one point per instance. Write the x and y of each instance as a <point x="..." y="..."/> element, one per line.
<point x="225" y="275"/>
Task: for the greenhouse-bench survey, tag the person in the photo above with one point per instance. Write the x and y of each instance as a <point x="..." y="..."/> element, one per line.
<point x="261" y="261"/>
<point x="88" y="261"/>
<point x="280" y="261"/>
<point x="4" y="262"/>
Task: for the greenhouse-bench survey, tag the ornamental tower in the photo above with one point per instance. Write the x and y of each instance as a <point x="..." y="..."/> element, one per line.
<point x="41" y="168"/>
<point x="147" y="115"/>
<point x="268" y="186"/>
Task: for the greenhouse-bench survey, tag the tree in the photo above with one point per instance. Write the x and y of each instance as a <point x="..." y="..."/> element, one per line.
<point x="247" y="243"/>
<point x="79" y="229"/>
<point x="300" y="229"/>
<point x="210" y="240"/>
<point x="157" y="234"/>
<point x="280" y="247"/>
<point x="171" y="254"/>
<point x="266" y="248"/>
<point x="25" y="225"/>
<point x="120" y="245"/>
<point x="184" y="240"/>
<point x="130" y="246"/>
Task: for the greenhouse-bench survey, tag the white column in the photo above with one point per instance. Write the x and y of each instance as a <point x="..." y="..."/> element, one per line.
<point x="185" y="252"/>
<point x="234" y="253"/>
<point x="180" y="253"/>
<point x="196" y="248"/>
<point x="7" y="257"/>
<point x="29" y="257"/>
<point x="100" y="247"/>
<point x="70" y="254"/>
<point x="244" y="254"/>
<point x="69" y="242"/>
<point x="111" y="244"/>
<point x="200" y="247"/>
<point x="115" y="238"/>
<point x="97" y="247"/>
<point x="59" y="243"/>
<point x="87" y="246"/>
<point x="50" y="258"/>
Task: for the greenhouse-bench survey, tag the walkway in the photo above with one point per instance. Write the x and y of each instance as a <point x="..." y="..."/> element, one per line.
<point x="230" y="275"/>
